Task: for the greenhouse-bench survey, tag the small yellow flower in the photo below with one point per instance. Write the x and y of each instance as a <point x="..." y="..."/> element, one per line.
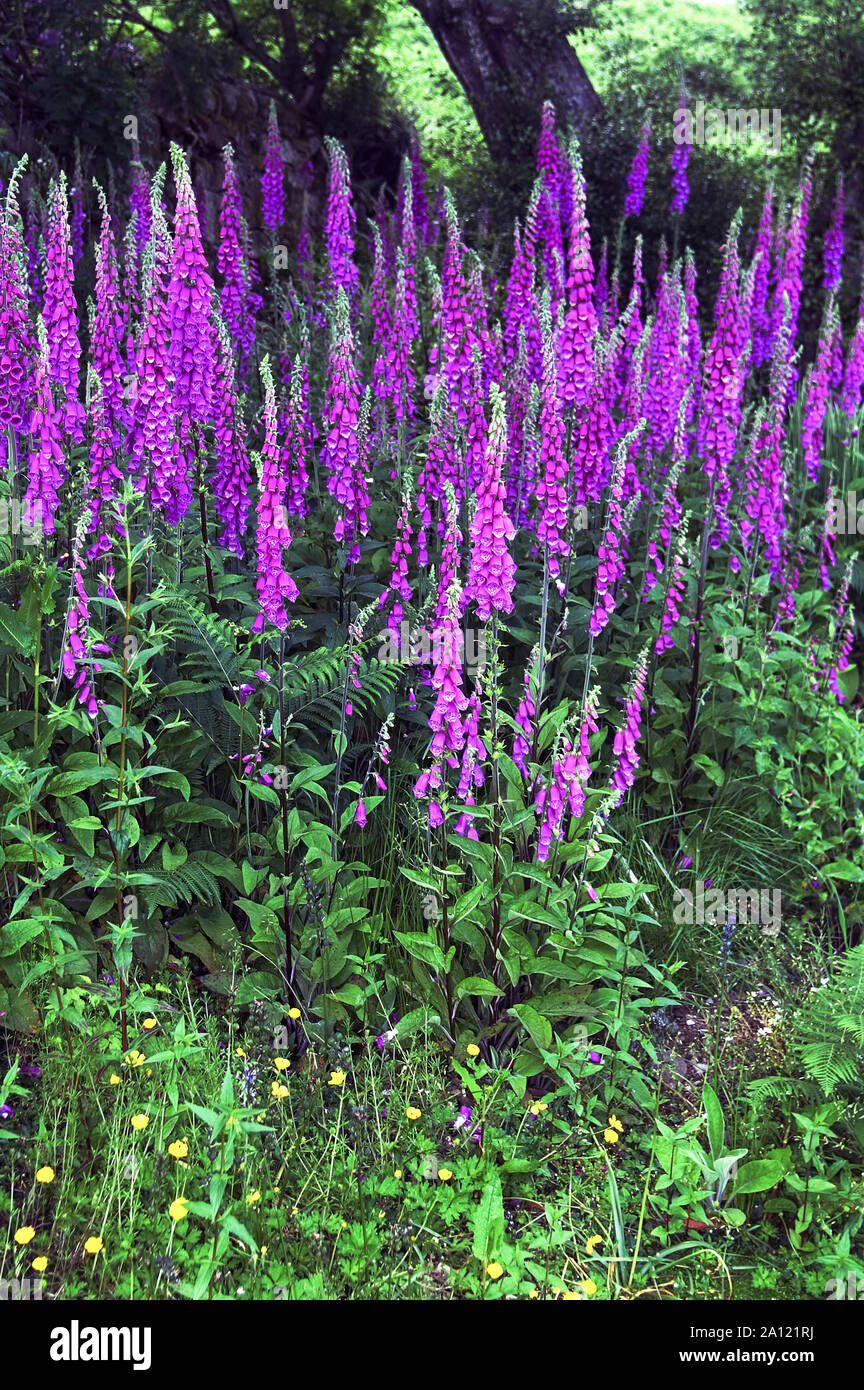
<point x="94" y="1244"/>
<point x="140" y="1121"/>
<point x="252" y="1198"/>
<point x="473" y="1050"/>
<point x="534" y="1293"/>
<point x="294" y="1013"/>
<point x="588" y="1287"/>
<point x="278" y="1090"/>
<point x="282" y="1064"/>
<point x="610" y="1136"/>
<point x="135" y="1058"/>
<point x="381" y="1213"/>
<point x="494" y="1270"/>
<point x="337" y="1078"/>
<point x="539" y="1107"/>
<point x="344" y="1226"/>
<point x="179" y="1149"/>
<point x="398" y="1175"/>
<point x="238" y="1052"/>
<point x="40" y="1264"/>
<point x="263" y="1249"/>
<point x="149" y="1071"/>
<point x="261" y="1118"/>
<point x="45" y="1174"/>
<point x="177" y="1210"/>
<point x="413" y="1113"/>
<point x="114" y="1079"/>
<point x="232" y="1120"/>
<point x="615" y="1123"/>
<point x="24" y="1235"/>
<point x="148" y="1023"/>
<point x="445" y="1174"/>
<point x="592" y="1242"/>
<point x="570" y="1297"/>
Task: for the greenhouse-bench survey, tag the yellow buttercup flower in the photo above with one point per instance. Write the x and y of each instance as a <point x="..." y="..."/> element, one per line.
<point x="610" y="1136"/>
<point x="588" y="1287"/>
<point x="148" y="1023"/>
<point x="179" y="1148"/>
<point x="177" y="1210"/>
<point x="263" y="1249"/>
<point x="445" y="1174"/>
<point x="337" y="1078"/>
<point x="135" y="1058"/>
<point x="592" y="1242"/>
<point x="538" y="1107"/>
<point x="473" y="1050"/>
<point x="278" y="1090"/>
<point x="140" y="1121"/>
<point x="24" y="1235"/>
<point x="533" y="1293"/>
<point x="294" y="1013"/>
<point x="232" y="1121"/>
<point x="615" y="1123"/>
<point x="398" y="1174"/>
<point x="40" y="1264"/>
<point x="413" y="1113"/>
<point x="45" y="1174"/>
<point x="570" y="1297"/>
<point x="94" y="1244"/>
<point x="494" y="1270"/>
<point x="252" y="1198"/>
<point x="238" y="1052"/>
<point x="114" y="1079"/>
<point x="282" y="1064"/>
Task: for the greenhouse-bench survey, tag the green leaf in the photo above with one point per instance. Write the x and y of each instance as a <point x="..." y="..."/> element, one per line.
<point x="758" y="1175"/>
<point x="539" y="1029"/>
<point x="473" y="984"/>
<point x="716" y="1127"/>
<point x="489" y="1220"/>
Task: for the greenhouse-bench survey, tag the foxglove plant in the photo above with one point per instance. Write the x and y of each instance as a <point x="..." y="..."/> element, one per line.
<point x="275" y="585"/>
<point x="637" y="175"/>
<point x="680" y="160"/>
<point x="492" y="571"/>
<point x="273" y="177"/>
<point x="60" y="313"/>
<point x="190" y="297"/>
<point x="232" y="477"/>
<point x="343" y="273"/>
<point x="576" y="339"/>
<point x="626" y="738"/>
<point x="343" y="454"/>
<point x="833" y="244"/>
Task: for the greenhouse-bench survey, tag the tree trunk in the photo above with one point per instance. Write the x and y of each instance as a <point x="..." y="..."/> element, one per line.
<point x="510" y="57"/>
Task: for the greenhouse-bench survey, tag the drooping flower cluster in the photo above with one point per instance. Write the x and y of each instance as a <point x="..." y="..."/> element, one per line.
<point x="339" y="234"/>
<point x="190" y="296"/>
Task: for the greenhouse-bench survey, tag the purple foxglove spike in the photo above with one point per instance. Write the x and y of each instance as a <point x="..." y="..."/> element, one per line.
<point x="236" y="297"/>
<point x="492" y="571"/>
<point x="339" y="233"/>
<point x="576" y="340"/>
<point x="233" y="474"/>
<point x="190" y="298"/>
<point x="833" y="249"/>
<point x="275" y="585"/>
<point x="637" y="175"/>
<point x="273" y="177"/>
<point x="61" y="314"/>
